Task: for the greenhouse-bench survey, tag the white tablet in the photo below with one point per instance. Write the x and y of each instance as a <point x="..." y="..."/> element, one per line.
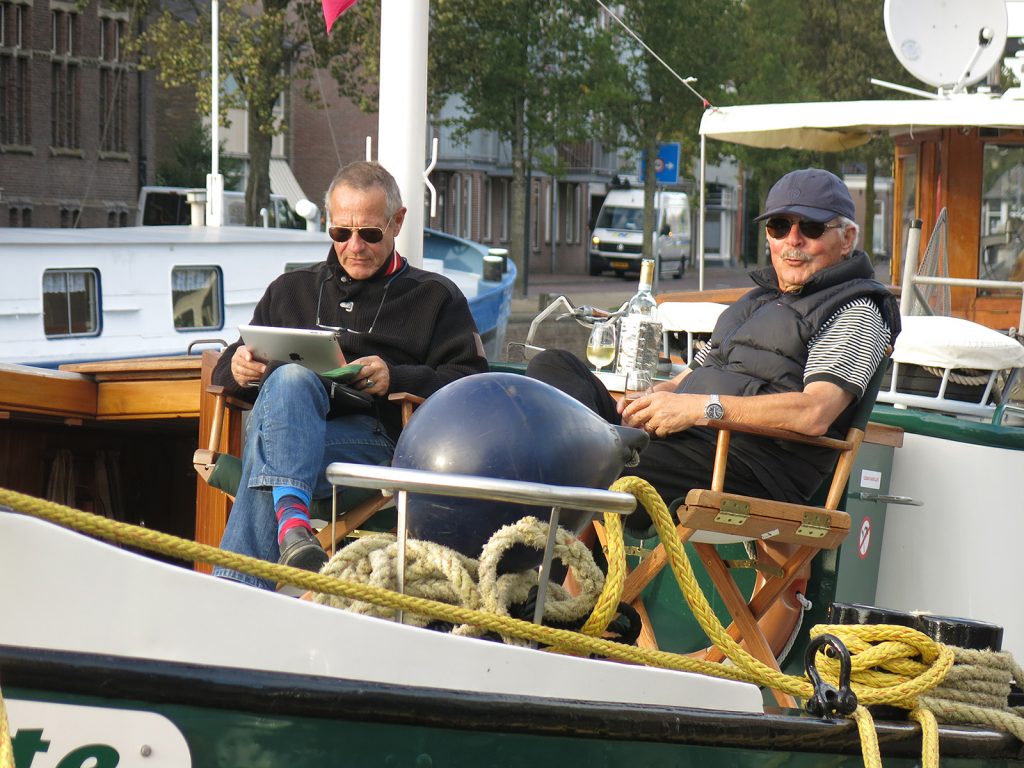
<point x="317" y="350"/>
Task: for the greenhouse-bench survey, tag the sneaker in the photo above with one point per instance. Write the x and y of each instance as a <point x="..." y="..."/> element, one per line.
<point x="300" y="549"/>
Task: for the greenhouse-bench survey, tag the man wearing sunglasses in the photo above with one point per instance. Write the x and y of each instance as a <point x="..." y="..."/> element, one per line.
<point x="795" y="353"/>
<point x="411" y="330"/>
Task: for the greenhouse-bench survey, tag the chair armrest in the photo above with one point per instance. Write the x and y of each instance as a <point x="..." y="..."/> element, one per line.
<point x="408" y="401"/>
<point x="779" y="434"/>
<point x="406" y="397"/>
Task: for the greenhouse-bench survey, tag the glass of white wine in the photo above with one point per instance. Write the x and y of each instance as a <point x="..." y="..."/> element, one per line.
<point x="601" y="345"/>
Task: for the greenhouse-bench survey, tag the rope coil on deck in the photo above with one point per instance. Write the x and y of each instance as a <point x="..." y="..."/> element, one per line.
<point x="439" y="573"/>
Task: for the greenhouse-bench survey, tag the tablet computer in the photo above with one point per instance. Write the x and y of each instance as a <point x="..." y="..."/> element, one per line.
<point x="317" y="350"/>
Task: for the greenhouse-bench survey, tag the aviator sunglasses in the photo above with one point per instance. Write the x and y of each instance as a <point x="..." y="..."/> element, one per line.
<point x="780" y="228"/>
<point x="371" y="235"/>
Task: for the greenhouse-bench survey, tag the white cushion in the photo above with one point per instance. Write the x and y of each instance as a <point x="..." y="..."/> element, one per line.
<point x="692" y="316"/>
<point x="950" y="342"/>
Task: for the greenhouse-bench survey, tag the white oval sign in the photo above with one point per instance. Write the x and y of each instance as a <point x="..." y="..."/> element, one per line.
<point x="47" y="735"/>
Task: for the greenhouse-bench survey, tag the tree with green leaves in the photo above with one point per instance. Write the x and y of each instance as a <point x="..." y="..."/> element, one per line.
<point x="641" y="102"/>
<point x="264" y="45"/>
<point x="815" y="50"/>
<point x="521" y="68"/>
<point x="189" y="161"/>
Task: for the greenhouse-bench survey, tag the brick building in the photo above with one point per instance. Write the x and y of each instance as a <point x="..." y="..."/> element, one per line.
<point x="71" y="120"/>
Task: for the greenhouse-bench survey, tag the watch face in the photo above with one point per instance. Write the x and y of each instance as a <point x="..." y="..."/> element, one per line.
<point x="714" y="411"/>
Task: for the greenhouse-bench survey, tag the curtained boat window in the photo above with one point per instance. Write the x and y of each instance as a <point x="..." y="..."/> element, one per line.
<point x="71" y="302"/>
<point x="197" y="299"/>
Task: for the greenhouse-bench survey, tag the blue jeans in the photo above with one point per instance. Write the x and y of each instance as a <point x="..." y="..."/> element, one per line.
<point x="288" y="441"/>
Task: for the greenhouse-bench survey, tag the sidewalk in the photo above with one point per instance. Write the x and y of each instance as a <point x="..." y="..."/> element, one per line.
<point x="610" y="292"/>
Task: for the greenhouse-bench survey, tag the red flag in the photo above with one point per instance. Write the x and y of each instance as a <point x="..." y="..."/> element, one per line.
<point x="333" y="9"/>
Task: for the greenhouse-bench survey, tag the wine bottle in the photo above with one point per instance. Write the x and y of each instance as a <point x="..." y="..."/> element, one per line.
<point x="639" y="329"/>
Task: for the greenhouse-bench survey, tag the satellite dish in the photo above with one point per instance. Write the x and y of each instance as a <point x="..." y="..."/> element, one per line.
<point x="947" y="43"/>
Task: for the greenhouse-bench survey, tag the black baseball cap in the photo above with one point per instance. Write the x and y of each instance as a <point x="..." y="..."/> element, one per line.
<point x="812" y="194"/>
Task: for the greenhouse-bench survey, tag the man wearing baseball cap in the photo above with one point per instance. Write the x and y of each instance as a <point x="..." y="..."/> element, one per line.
<point x="795" y="353"/>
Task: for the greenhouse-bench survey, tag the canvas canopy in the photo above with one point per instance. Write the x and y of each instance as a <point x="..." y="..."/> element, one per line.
<point x="835" y="126"/>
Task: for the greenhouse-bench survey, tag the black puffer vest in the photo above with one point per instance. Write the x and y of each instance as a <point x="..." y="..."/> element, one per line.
<point x="759" y="347"/>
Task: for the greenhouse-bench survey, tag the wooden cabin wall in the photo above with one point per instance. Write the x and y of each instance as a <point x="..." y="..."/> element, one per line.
<point x="153" y="461"/>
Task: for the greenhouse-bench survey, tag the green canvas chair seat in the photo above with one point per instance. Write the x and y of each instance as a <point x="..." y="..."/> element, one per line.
<point x="227" y="474"/>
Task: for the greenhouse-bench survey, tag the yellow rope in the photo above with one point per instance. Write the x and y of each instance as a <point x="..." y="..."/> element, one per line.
<point x="6" y="747"/>
<point x="929" y="737"/>
<point x="608" y="601"/>
<point x="868" y="737"/>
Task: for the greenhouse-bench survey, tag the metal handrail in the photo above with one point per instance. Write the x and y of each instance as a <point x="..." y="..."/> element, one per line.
<point x="474" y="487"/>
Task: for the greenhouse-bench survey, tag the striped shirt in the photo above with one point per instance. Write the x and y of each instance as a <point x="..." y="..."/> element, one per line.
<point x="847" y="349"/>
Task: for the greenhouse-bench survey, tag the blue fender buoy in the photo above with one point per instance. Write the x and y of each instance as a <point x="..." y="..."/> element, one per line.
<point x="513" y="427"/>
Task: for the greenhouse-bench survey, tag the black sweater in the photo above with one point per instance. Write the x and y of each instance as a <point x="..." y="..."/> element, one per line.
<point x="422" y="326"/>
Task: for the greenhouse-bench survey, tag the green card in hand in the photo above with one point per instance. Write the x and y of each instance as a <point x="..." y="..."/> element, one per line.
<point x="344" y="374"/>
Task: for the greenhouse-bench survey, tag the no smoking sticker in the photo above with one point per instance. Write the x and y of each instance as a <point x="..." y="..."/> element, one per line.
<point x="865" y="538"/>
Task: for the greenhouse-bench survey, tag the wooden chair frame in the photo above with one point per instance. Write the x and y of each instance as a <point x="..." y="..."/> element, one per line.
<point x="219" y="410"/>
<point x="792" y="534"/>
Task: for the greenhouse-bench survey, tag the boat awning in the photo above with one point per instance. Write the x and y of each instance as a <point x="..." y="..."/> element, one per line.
<point x="838" y="125"/>
<point x="283" y="182"/>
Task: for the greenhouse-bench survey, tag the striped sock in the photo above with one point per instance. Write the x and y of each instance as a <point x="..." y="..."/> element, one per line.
<point x="292" y="506"/>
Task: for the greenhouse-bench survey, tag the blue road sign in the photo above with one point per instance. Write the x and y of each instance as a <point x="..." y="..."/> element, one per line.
<point x="666" y="164"/>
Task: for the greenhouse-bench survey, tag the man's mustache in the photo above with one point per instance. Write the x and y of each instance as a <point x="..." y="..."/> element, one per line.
<point x="794" y="254"/>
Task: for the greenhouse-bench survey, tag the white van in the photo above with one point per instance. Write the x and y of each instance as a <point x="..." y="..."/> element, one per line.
<point x="163" y="206"/>
<point x="618" y="235"/>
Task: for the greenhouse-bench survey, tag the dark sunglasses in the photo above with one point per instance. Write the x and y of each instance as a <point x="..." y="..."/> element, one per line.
<point x="812" y="230"/>
<point x="371" y="235"/>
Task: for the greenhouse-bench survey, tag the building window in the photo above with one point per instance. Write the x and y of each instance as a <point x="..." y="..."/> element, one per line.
<point x="111" y="33"/>
<point x="467" y="208"/>
<point x="570" y="204"/>
<point x="12" y="25"/>
<point x="196" y="298"/>
<point x="26" y="217"/>
<point x="69" y="217"/>
<point x="70" y="302"/>
<point x="64" y="104"/>
<point x="64" y="42"/>
<point x="550" y="202"/>
<point x="14" y="76"/>
<point x="1001" y="254"/>
<point x="506" y="209"/>
<point x="64" y="85"/>
<point x="14" y="217"/>
<point x="456" y="184"/>
<point x="113" y="112"/>
<point x="488" y="210"/>
<point x="122" y="219"/>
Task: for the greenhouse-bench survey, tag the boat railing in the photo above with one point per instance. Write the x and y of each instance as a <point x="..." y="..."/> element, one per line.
<point x="401" y="481"/>
<point x="911" y="279"/>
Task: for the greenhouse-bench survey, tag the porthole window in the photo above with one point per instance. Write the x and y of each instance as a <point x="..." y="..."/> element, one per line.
<point x="71" y="302"/>
<point x="197" y="298"/>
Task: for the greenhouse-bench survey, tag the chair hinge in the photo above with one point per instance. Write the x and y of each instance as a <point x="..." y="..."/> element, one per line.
<point x="767" y="569"/>
<point x="816" y="525"/>
<point x="733" y="512"/>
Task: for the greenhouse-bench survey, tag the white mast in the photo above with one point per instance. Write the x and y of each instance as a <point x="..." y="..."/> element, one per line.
<point x="402" y="117"/>
<point x="214" y="181"/>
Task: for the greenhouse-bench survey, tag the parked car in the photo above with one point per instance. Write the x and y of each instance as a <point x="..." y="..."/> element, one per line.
<point x="163" y="206"/>
<point x="617" y="241"/>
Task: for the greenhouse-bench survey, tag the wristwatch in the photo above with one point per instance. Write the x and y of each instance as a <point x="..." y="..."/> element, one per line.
<point x="714" y="409"/>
